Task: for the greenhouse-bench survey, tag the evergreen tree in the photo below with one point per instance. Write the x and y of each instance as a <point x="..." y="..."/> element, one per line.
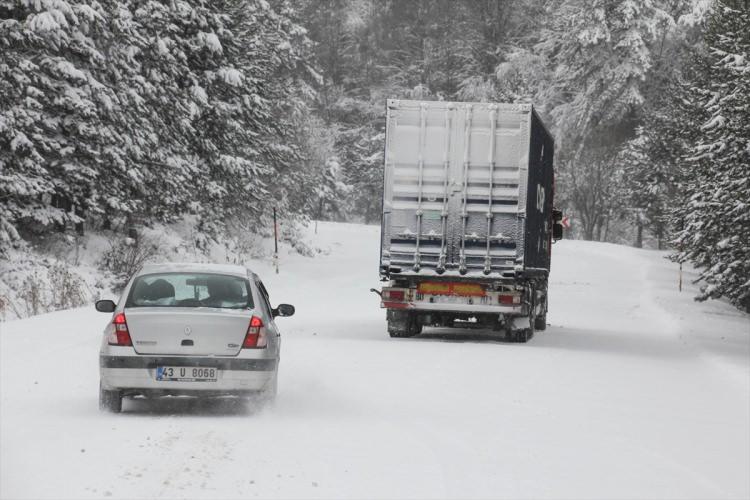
<point x="601" y="55"/>
<point x="715" y="223"/>
<point x="50" y="121"/>
<point x="148" y="110"/>
<point x="652" y="167"/>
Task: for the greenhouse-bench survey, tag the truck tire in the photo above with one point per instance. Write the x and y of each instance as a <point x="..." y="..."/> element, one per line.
<point x="523" y="335"/>
<point x="402" y="324"/>
<point x="522" y="330"/>
<point x="540" y="322"/>
<point x="110" y="401"/>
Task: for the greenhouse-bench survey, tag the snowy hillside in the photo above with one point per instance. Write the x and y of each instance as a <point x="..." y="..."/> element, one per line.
<point x="634" y="391"/>
<point x="63" y="271"/>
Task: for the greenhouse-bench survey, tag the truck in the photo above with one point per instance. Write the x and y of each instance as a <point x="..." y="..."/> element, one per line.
<point x="468" y="217"/>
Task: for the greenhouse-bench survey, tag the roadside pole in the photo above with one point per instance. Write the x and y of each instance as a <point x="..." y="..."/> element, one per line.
<point x="275" y="242"/>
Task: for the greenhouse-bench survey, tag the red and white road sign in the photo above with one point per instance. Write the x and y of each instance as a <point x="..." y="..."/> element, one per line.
<point x="565" y="222"/>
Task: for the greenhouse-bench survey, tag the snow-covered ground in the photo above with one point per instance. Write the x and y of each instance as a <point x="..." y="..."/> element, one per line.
<point x="634" y="391"/>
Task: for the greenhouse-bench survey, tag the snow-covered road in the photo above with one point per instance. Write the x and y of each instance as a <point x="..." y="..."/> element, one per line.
<point x="634" y="391"/>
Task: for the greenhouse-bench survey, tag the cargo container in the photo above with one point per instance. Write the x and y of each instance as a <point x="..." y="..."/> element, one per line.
<point x="468" y="219"/>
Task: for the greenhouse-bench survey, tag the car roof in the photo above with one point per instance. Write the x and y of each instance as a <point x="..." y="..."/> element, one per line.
<point x="195" y="267"/>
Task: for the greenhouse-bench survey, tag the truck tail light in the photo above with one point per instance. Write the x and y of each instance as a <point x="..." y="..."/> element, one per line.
<point x="393" y="295"/>
<point x="256" y="336"/>
<point x="120" y="334"/>
<point x="509" y="299"/>
<point x="395" y="298"/>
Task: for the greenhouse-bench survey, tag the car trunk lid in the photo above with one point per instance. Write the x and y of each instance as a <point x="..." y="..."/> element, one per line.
<point x="188" y="331"/>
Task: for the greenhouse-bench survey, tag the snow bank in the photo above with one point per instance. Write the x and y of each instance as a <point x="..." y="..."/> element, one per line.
<point x="65" y="271"/>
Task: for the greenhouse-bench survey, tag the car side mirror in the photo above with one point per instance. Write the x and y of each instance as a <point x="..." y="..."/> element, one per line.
<point x="105" y="306"/>
<point x="557" y="231"/>
<point x="283" y="310"/>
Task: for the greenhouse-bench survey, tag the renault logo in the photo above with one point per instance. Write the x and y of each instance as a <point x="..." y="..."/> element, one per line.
<point x="188" y="330"/>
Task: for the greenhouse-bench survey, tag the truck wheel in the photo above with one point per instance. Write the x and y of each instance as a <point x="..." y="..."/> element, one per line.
<point x="525" y="326"/>
<point x="110" y="401"/>
<point x="524" y="335"/>
<point x="540" y="322"/>
<point x="521" y="330"/>
<point x="402" y="324"/>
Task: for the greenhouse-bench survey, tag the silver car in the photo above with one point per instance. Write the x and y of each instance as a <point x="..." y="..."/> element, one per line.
<point x="190" y="329"/>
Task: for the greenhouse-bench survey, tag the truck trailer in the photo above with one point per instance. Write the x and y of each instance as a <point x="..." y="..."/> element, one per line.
<point x="468" y="219"/>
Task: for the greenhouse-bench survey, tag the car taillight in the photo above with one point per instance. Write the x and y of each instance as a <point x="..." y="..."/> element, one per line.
<point x="509" y="299"/>
<point x="120" y="334"/>
<point x="256" y="334"/>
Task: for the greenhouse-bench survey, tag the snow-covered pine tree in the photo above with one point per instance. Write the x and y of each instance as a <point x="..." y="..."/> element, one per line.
<point x="235" y="77"/>
<point x="601" y="54"/>
<point x="716" y="220"/>
<point x="50" y="128"/>
<point x="152" y="172"/>
<point x="652" y="165"/>
<point x="288" y="76"/>
<point x="362" y="159"/>
<point x="147" y="109"/>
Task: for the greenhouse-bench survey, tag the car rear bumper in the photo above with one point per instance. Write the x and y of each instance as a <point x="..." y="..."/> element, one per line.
<point x="138" y="373"/>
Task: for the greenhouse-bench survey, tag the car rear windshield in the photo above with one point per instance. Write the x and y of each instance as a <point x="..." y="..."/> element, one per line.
<point x="190" y="290"/>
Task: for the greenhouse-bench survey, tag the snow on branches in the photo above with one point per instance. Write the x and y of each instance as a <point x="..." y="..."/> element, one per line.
<point x="716" y="221"/>
<point x="126" y="108"/>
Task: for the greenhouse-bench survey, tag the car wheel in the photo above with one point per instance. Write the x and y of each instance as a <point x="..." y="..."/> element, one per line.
<point x="110" y="401"/>
<point x="266" y="396"/>
<point x="270" y="392"/>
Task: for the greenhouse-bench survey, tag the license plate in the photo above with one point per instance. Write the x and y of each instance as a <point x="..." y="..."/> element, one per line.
<point x="187" y="373"/>
<point x="455" y="299"/>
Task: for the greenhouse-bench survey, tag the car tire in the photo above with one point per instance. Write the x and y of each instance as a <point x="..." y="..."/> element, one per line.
<point x="266" y="396"/>
<point x="270" y="392"/>
<point x="110" y="401"/>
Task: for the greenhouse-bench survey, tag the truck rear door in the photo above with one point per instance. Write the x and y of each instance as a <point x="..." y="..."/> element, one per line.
<point x="455" y="184"/>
